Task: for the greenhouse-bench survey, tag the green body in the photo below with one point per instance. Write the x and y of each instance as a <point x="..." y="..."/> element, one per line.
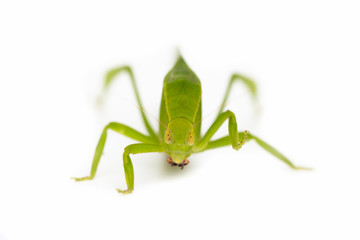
<point x="180" y="110"/>
<point x="180" y="123"/>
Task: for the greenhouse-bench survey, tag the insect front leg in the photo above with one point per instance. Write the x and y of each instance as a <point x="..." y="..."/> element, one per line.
<point x="225" y="141"/>
<point x="233" y="132"/>
<point x="119" y="128"/>
<point x="128" y="166"/>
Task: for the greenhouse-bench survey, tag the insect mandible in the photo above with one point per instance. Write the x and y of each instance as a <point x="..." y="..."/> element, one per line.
<point x="180" y="123"/>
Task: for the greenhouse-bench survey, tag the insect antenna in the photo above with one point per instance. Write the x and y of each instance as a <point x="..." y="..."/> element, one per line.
<point x="100" y="99"/>
<point x="151" y="115"/>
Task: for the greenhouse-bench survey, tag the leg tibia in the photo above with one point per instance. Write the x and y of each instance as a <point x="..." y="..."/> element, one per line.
<point x="110" y="76"/>
<point x="129" y="173"/>
<point x="225" y="141"/>
<point x="119" y="128"/>
<point x="249" y="83"/>
<point x="128" y="167"/>
<point x="276" y="153"/>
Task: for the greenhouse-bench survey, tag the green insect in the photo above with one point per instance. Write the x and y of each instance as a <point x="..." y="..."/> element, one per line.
<point x="180" y="123"/>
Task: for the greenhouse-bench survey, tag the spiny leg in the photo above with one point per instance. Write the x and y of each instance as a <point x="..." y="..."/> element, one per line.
<point x="109" y="79"/>
<point x="225" y="141"/>
<point x="128" y="167"/>
<point x="119" y="128"/>
<point x="249" y="83"/>
<point x="233" y="132"/>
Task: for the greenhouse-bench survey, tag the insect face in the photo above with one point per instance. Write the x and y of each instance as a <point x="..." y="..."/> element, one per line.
<point x="179" y="138"/>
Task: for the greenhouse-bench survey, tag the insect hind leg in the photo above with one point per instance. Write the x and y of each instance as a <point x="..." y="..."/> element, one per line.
<point x="109" y="78"/>
<point x="249" y="83"/>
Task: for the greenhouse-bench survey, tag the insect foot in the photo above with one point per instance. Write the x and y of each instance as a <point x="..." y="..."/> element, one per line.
<point x="181" y="165"/>
<point x="82" y="178"/>
<point x="124" y="191"/>
<point x="243" y="141"/>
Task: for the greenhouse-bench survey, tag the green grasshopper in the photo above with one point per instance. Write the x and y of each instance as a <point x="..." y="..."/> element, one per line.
<point x="180" y="123"/>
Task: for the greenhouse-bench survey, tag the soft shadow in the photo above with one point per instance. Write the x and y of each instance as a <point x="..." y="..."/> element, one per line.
<point x="150" y="170"/>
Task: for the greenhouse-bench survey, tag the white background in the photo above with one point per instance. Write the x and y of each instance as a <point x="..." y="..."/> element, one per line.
<point x="305" y="56"/>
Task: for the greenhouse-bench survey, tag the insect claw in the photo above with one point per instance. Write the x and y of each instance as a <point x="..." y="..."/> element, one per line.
<point x="124" y="191"/>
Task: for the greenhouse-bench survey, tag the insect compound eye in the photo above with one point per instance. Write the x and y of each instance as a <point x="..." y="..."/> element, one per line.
<point x="168" y="136"/>
<point x="190" y="138"/>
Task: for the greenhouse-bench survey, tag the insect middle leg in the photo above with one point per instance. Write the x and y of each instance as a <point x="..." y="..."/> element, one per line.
<point x="225" y="141"/>
<point x="119" y="128"/>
